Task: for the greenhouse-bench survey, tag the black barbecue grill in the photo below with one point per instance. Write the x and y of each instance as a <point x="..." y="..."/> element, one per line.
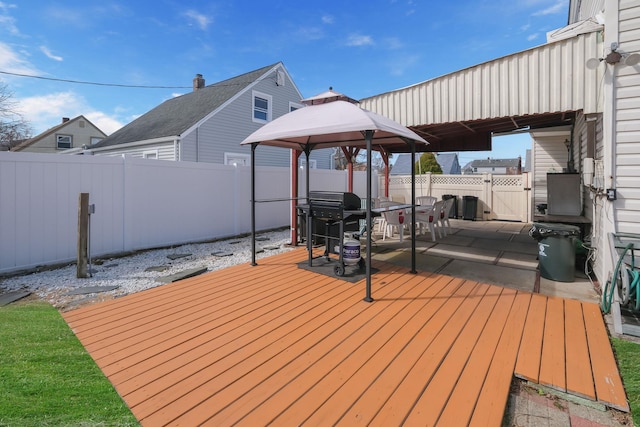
<point x="328" y="216"/>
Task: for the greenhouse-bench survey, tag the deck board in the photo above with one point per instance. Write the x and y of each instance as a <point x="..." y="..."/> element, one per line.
<point x="276" y="343"/>
<point x="552" y="363"/>
<point x="495" y="389"/>
<point x="529" y="356"/>
<point x="460" y="405"/>
<point x="609" y="389"/>
<point x="577" y="351"/>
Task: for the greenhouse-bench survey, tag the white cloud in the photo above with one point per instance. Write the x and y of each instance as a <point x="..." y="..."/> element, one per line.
<point x="7" y="22"/>
<point x="200" y="19"/>
<point x="104" y="122"/>
<point x="559" y="7"/>
<point x="309" y="33"/>
<point x="398" y="66"/>
<point x="46" y="111"/>
<point x="327" y="19"/>
<point x="13" y="62"/>
<point x="50" y="55"/>
<point x="359" y="40"/>
<point x="532" y="37"/>
<point x="393" y="43"/>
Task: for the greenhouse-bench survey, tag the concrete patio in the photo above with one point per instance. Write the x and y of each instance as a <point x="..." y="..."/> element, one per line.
<point x="495" y="252"/>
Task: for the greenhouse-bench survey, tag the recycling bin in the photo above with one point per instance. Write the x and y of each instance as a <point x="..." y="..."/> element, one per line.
<point x="469" y="207"/>
<point x="556" y="250"/>
<point x="453" y="213"/>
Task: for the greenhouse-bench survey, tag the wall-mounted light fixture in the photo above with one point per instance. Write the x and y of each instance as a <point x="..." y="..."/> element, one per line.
<point x="614" y="57"/>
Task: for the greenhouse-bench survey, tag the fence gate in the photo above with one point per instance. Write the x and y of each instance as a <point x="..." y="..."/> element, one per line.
<point x="508" y="197"/>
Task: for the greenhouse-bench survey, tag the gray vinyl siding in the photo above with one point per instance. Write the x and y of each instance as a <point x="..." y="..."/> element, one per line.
<point x="164" y="150"/>
<point x="223" y="132"/>
<point x="549" y="156"/>
<point x="627" y="123"/>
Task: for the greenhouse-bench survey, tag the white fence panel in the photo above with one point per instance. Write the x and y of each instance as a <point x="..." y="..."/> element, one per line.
<point x="139" y="204"/>
<point x="38" y="207"/>
<point x="500" y="197"/>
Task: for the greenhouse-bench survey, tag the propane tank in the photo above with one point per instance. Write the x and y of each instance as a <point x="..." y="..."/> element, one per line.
<point x="351" y="251"/>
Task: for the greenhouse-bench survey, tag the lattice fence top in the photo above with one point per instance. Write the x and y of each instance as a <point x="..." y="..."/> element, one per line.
<point x="508" y="181"/>
<point x="465" y="180"/>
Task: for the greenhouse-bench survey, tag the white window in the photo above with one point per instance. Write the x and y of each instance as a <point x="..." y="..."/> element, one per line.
<point x="294" y="106"/>
<point x="303" y="162"/>
<point x="152" y="154"/>
<point x="64" y="141"/>
<point x="95" y="139"/>
<point x="237" y="159"/>
<point x="261" y="107"/>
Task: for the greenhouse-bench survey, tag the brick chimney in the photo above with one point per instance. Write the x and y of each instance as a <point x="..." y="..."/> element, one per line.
<point x="198" y="82"/>
<point x="65" y="119"/>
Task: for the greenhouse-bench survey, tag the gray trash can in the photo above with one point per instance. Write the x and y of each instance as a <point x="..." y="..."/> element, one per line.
<point x="453" y="213"/>
<point x="469" y="207"/>
<point x="556" y="250"/>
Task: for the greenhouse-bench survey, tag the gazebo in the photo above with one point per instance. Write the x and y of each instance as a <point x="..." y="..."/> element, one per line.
<point x="334" y="120"/>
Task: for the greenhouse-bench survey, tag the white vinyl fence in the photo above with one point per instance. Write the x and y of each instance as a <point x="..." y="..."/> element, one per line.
<point x="500" y="197"/>
<point x="139" y="204"/>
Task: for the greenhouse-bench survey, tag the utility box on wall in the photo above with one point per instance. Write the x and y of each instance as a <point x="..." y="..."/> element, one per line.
<point x="563" y="194"/>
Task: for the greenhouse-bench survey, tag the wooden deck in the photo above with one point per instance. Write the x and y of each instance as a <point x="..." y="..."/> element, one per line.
<point x="278" y="344"/>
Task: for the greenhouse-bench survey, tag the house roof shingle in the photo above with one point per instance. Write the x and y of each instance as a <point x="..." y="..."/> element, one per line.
<point x="174" y="116"/>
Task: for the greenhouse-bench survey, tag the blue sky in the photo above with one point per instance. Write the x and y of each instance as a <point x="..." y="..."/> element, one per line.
<point x="360" y="48"/>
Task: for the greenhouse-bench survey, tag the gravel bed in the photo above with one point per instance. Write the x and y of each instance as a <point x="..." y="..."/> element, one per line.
<point x="129" y="274"/>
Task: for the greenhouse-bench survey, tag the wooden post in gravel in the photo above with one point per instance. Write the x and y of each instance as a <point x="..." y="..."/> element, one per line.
<point x="83" y="234"/>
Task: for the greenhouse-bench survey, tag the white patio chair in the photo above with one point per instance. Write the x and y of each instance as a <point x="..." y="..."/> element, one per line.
<point x="444" y="217"/>
<point x="438" y="209"/>
<point x="427" y="216"/>
<point x="380" y="220"/>
<point x="426" y="200"/>
<point x="393" y="219"/>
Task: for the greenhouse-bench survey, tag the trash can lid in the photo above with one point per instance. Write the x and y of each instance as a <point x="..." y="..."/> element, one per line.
<point x="543" y="229"/>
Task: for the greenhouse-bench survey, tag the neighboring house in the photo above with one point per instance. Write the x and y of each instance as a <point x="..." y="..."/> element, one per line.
<point x="448" y="163"/>
<point x="494" y="166"/>
<point x="208" y="124"/>
<point x="577" y="95"/>
<point x="71" y="133"/>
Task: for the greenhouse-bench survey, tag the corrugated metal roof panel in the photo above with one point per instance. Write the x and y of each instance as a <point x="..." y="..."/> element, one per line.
<point x="546" y="79"/>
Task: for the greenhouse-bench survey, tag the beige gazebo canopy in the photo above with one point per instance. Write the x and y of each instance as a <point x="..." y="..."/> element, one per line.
<point x="337" y="124"/>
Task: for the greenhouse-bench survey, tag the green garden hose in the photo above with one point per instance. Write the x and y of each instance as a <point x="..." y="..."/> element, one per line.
<point x="634" y="282"/>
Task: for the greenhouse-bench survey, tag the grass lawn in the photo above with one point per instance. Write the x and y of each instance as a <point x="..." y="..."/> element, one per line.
<point x="46" y="376"/>
<point x="628" y="355"/>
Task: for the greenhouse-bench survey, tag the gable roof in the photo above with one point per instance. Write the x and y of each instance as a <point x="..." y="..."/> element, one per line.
<point x="28" y="142"/>
<point x="448" y="163"/>
<point x="177" y="115"/>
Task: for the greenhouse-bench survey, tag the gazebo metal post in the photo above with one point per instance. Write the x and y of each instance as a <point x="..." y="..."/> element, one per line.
<point x="413" y="206"/>
<point x="295" y="156"/>
<point x="368" y="136"/>
<point x="253" y="204"/>
<point x="307" y="152"/>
